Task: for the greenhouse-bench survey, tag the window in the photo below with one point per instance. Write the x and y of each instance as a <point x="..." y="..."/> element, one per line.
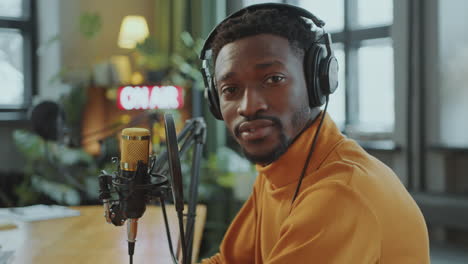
<point x="364" y="101"/>
<point x="17" y="29"/>
<point x="360" y="29"/>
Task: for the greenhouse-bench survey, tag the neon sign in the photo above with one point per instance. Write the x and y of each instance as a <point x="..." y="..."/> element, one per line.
<point x="150" y="97"/>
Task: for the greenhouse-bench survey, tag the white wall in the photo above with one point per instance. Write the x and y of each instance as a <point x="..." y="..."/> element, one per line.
<point x="49" y="62"/>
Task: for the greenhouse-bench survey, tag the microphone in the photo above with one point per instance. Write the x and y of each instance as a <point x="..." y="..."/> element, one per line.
<point x="140" y="178"/>
<point x="134" y="149"/>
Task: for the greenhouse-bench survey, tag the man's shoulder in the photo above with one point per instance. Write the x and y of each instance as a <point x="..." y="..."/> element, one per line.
<point x="330" y="198"/>
<point x="349" y="160"/>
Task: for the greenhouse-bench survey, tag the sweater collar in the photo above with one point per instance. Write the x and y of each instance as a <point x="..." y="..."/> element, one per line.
<point x="288" y="167"/>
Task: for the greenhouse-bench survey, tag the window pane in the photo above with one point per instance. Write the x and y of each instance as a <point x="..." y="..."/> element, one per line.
<point x="11" y="68"/>
<point x="376" y="86"/>
<point x="11" y="8"/>
<point x="375" y="13"/>
<point x="337" y="104"/>
<point x="330" y="11"/>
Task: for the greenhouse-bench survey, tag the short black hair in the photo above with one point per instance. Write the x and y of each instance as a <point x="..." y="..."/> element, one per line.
<point x="280" y="22"/>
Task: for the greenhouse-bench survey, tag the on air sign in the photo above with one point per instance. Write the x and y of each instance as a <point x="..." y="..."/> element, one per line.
<point x="150" y="97"/>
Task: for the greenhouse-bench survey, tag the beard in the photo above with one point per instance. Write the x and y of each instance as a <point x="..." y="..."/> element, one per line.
<point x="299" y="120"/>
<point x="271" y="156"/>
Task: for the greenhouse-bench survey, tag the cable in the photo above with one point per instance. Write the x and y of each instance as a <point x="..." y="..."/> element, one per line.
<point x="309" y="156"/>
<point x="131" y="249"/>
<point x="182" y="236"/>
<point x="168" y="233"/>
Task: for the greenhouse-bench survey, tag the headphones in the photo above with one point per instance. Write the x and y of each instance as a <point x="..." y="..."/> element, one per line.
<point x="48" y="120"/>
<point x="320" y="64"/>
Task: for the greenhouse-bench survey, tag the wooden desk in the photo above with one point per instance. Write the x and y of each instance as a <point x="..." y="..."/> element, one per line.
<point x="89" y="239"/>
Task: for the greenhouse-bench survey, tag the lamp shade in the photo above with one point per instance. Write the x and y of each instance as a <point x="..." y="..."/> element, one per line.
<point x="134" y="29"/>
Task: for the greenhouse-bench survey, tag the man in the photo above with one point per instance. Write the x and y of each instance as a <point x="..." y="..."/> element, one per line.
<point x="319" y="197"/>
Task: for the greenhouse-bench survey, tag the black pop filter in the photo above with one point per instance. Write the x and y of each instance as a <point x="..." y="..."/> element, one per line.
<point x="176" y="176"/>
<point x="174" y="162"/>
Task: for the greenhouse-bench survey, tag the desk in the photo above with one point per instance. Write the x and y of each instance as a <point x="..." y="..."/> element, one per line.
<point x="89" y="239"/>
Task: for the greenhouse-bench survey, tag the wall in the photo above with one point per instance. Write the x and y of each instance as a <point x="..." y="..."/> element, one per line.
<point x="79" y="52"/>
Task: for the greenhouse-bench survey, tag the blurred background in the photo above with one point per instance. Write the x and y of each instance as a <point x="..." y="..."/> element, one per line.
<point x="74" y="73"/>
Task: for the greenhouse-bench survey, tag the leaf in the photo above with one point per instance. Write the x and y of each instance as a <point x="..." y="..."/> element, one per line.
<point x="25" y="194"/>
<point x="59" y="75"/>
<point x="61" y="193"/>
<point x="187" y="39"/>
<point x="226" y="180"/>
<point x="69" y="156"/>
<point x="43" y="47"/>
<point x="29" y="144"/>
<point x="148" y="47"/>
<point x="90" y="24"/>
<point x="73" y="104"/>
<point x="92" y="187"/>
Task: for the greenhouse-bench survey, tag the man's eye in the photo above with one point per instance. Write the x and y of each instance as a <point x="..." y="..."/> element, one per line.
<point x="275" y="79"/>
<point x="228" y="90"/>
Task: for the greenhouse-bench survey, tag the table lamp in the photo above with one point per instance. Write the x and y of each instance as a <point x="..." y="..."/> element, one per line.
<point x="133" y="30"/>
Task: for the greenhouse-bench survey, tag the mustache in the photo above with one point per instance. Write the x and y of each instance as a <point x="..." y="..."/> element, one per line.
<point x="276" y="121"/>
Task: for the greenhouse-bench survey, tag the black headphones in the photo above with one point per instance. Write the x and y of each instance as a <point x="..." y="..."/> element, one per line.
<point x="320" y="64"/>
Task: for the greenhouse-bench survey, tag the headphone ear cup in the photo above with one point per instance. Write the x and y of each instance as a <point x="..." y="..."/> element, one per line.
<point x="312" y="60"/>
<point x="329" y="75"/>
<point x="213" y="101"/>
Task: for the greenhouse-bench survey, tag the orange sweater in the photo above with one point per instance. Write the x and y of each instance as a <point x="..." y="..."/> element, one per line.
<point x="351" y="209"/>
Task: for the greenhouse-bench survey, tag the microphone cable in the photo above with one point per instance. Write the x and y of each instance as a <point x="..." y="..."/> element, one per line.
<point x="311" y="151"/>
<point x="168" y="233"/>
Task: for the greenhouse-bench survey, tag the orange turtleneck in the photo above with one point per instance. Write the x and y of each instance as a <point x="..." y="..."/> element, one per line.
<point x="351" y="209"/>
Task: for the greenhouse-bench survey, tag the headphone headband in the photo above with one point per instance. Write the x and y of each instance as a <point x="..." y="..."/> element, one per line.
<point x="299" y="11"/>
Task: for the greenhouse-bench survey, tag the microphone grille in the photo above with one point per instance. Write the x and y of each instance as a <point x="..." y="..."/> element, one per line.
<point x="134" y="147"/>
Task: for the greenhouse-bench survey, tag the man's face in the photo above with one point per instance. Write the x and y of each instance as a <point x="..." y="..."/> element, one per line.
<point x="262" y="93"/>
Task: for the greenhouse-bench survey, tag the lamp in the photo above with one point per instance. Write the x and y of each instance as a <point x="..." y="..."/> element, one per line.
<point x="133" y="30"/>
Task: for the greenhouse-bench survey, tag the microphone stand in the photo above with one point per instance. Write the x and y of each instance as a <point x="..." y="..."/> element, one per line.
<point x="192" y="135"/>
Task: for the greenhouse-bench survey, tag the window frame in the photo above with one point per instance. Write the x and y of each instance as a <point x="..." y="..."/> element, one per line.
<point x="351" y="38"/>
<point x="28" y="28"/>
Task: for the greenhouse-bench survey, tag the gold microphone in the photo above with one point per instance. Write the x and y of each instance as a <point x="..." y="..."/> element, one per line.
<point x="134" y="152"/>
<point x="134" y="147"/>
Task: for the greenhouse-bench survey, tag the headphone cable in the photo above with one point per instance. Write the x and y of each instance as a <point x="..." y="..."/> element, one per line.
<point x="312" y="148"/>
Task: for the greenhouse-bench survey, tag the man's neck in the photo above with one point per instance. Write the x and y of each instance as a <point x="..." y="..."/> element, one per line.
<point x="314" y="116"/>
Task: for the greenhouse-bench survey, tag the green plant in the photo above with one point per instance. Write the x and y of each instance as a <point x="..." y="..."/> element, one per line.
<point x="90" y="24"/>
<point x="73" y="105"/>
<point x="184" y="65"/>
<point x="67" y="176"/>
<point x="148" y="56"/>
<point x="185" y="68"/>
